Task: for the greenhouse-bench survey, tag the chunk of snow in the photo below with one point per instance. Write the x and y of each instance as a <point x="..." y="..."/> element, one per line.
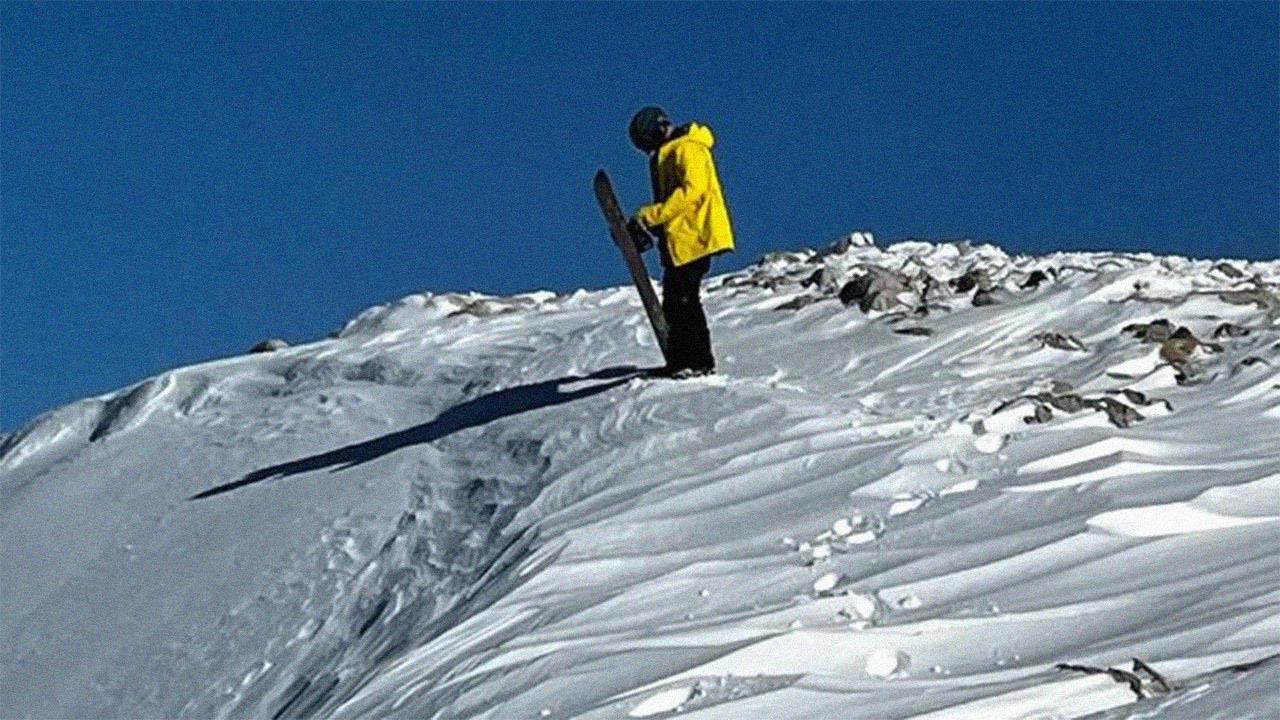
<point x="905" y="506"/>
<point x="989" y="443"/>
<point x="862" y="606"/>
<point x="910" y="602"/>
<point x="826" y="583"/>
<point x="861" y="538"/>
<point x="662" y="702"/>
<point x="963" y="486"/>
<point x="1094" y="451"/>
<point x="885" y="663"/>
<point x="842" y="527"/>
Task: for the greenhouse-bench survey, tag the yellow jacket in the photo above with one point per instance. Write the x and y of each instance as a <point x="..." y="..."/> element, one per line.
<point x="694" y="216"/>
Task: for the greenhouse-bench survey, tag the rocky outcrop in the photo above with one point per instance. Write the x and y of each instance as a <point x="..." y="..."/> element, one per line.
<point x="269" y="345"/>
<point x="874" y="288"/>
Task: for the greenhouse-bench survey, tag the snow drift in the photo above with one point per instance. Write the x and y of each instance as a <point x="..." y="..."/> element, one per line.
<point x="926" y="476"/>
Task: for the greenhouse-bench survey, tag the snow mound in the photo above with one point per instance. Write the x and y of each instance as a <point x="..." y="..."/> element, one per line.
<point x="926" y="475"/>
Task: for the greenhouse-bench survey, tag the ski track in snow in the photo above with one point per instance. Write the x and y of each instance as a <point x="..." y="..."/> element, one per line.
<point x="468" y="507"/>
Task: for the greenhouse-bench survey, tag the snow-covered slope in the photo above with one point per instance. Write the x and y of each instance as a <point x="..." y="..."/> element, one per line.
<point x="467" y="506"/>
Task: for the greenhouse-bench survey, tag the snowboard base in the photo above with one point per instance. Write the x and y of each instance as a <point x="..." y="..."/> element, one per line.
<point x="627" y="243"/>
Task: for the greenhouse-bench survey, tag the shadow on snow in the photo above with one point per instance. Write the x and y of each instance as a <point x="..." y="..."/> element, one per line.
<point x="473" y="413"/>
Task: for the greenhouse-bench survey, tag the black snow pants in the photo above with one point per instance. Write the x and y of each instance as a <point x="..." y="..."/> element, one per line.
<point x="688" y="339"/>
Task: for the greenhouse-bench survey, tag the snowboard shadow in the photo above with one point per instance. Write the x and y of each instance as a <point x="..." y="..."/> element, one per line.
<point x="472" y="413"/>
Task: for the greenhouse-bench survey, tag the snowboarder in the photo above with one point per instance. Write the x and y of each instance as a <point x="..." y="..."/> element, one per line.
<point x="691" y="222"/>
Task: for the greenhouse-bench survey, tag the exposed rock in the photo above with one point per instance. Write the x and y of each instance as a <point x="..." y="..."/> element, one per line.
<point x="985" y="297"/>
<point x="798" y="302"/>
<point x="1060" y="341"/>
<point x="269" y="345"/>
<point x="1060" y="386"/>
<point x="921" y="331"/>
<point x="1034" y="280"/>
<point x="1227" y="329"/>
<point x="854" y="290"/>
<point x="1180" y="347"/>
<point x="925" y="283"/>
<point x="852" y="240"/>
<point x="824" y="279"/>
<point x="1042" y="414"/>
<point x="1066" y="402"/>
<point x="483" y="308"/>
<point x="1156" y="331"/>
<point x="759" y="278"/>
<point x="1259" y="296"/>
<point x="1144" y="681"/>
<point x="1120" y="415"/>
<point x="1138" y="398"/>
<point x="1180" y="350"/>
<point x="1247" y="362"/>
<point x="875" y="289"/>
<point x="975" y="277"/>
<point x="1229" y="270"/>
<point x="1160" y="682"/>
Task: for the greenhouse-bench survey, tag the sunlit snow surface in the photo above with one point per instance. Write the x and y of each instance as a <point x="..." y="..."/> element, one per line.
<point x="465" y="506"/>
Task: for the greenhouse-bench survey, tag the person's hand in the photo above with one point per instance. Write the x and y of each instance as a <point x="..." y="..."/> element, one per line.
<point x="640" y="234"/>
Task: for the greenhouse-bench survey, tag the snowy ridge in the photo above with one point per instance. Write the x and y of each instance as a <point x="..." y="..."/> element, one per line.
<point x="926" y="475"/>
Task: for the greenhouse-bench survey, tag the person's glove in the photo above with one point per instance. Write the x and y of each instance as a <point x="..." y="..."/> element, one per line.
<point x="640" y="234"/>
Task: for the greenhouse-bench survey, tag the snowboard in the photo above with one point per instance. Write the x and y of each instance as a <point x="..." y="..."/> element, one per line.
<point x="628" y="244"/>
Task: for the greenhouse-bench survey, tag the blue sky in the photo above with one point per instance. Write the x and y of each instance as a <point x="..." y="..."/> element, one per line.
<point x="181" y="180"/>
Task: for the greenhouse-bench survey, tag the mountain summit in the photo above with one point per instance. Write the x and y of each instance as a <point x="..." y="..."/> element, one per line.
<point x="930" y="481"/>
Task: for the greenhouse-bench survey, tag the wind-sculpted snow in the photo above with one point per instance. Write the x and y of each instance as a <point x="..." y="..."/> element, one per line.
<point x="931" y="481"/>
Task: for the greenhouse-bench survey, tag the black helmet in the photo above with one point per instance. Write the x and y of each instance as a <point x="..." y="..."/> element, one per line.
<point x="648" y="128"/>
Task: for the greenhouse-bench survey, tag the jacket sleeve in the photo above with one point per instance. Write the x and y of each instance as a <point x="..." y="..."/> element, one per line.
<point x="693" y="160"/>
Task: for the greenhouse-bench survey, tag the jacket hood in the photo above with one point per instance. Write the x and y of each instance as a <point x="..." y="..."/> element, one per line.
<point x="700" y="134"/>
